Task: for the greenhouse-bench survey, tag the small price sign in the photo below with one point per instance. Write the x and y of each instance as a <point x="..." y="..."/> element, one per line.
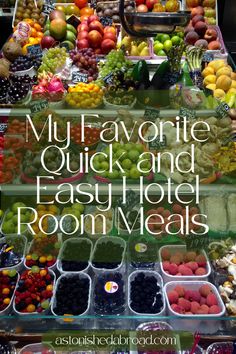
<point x="108" y="79"/>
<point x="48" y="7"/>
<point x="3" y="128"/>
<point x="207" y="57"/>
<point x="65" y="45"/>
<point x="188" y="113"/>
<point x="197" y="242"/>
<point x="93" y="4"/>
<point x="151" y="113"/>
<point x="39" y="105"/>
<point x="222" y="110"/>
<point x="106" y="21"/>
<point x="157" y="144"/>
<point x="35" y="50"/>
<point x="77" y="76"/>
<point x="131" y="200"/>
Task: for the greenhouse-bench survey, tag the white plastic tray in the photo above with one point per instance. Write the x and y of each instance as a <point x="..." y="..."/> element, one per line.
<point x="20" y="265"/>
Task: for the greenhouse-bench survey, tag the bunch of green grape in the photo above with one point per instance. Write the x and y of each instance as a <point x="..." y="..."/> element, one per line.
<point x="53" y="59"/>
<point x="115" y="61"/>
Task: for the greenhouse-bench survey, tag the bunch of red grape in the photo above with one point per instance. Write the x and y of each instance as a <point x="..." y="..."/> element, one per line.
<point x="85" y="60"/>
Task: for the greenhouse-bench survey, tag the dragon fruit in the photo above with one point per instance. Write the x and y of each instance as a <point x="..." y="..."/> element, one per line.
<point x="50" y="88"/>
<point x="39" y="92"/>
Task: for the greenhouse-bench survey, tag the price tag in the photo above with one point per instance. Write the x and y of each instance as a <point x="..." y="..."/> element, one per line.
<point x="132" y="199"/>
<point x="151" y="113"/>
<point x="222" y="110"/>
<point x="207" y="57"/>
<point x="35" y="50"/>
<point x="39" y="105"/>
<point x="108" y="79"/>
<point x="77" y="76"/>
<point x="93" y="4"/>
<point x="106" y="21"/>
<point x="3" y="128"/>
<point x="65" y="45"/>
<point x="157" y="144"/>
<point x="197" y="242"/>
<point x="48" y="7"/>
<point x="188" y="113"/>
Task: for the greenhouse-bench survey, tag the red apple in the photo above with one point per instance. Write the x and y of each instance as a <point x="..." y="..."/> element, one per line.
<point x="110" y="35"/>
<point x="139" y="2"/>
<point x="93" y="18"/>
<point x="95" y="39"/>
<point x="97" y="26"/>
<point x="83" y="27"/>
<point x="142" y="8"/>
<point x="150" y="3"/>
<point x="47" y="42"/>
<point x="83" y="43"/>
<point x="107" y="45"/>
<point x="109" y="29"/>
<point x="82" y="35"/>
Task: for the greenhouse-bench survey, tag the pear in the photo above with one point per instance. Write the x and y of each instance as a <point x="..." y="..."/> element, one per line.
<point x="141" y="46"/>
<point x="134" y="51"/>
<point x="144" y="52"/>
<point x="126" y="41"/>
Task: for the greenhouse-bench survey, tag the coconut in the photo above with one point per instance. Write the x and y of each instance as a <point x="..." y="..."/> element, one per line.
<point x="5" y="63"/>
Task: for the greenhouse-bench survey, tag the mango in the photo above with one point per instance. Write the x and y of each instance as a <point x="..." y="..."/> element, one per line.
<point x="211" y="87"/>
<point x="217" y="64"/>
<point x="208" y="71"/>
<point x="218" y="93"/>
<point x="224" y="71"/>
<point x="210" y="79"/>
<point x="223" y="82"/>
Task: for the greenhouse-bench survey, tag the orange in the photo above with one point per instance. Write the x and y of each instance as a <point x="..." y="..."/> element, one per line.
<point x="49" y="287"/>
<point x="43" y="272"/>
<point x="7" y="301"/>
<point x="33" y="32"/>
<point x="33" y="40"/>
<point x="86" y="11"/>
<point x="30" y="308"/>
<point x="29" y="21"/>
<point x="39" y="35"/>
<point x="6" y="291"/>
<point x="37" y="27"/>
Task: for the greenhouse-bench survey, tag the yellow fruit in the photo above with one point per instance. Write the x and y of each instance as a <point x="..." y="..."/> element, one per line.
<point x="208" y="71"/>
<point x="233" y="84"/>
<point x="229" y="67"/>
<point x="43" y="272"/>
<point x="5" y="272"/>
<point x="218" y="93"/>
<point x="223" y="71"/>
<point x="217" y="64"/>
<point x="223" y="82"/>
<point x="42" y="259"/>
<point x="233" y="76"/>
<point x="232" y="90"/>
<point x="7" y="301"/>
<point x="211" y="87"/>
<point x="210" y="79"/>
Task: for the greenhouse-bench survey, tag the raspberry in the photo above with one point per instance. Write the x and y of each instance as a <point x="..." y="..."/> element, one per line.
<point x="185" y="270"/>
<point x="173" y="269"/>
<point x="205" y="290"/>
<point x="173" y="296"/>
<point x="211" y="300"/>
<point x="180" y="290"/>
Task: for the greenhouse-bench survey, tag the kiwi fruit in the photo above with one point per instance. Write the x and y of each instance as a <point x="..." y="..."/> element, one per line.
<point x="11" y="50"/>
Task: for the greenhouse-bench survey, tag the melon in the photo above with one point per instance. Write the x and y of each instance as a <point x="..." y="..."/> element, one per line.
<point x="58" y="28"/>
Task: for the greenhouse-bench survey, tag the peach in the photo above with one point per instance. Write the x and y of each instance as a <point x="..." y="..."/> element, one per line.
<point x="214" y="45"/>
<point x="197" y="11"/>
<point x="210" y="35"/>
<point x="196" y="19"/>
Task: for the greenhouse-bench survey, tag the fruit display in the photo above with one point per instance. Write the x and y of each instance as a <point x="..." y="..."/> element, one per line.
<point x="200" y="301"/>
<point x="75" y="255"/>
<point x="163" y="42"/>
<point x="9" y="224"/>
<point x="111" y="9"/>
<point x="72" y="295"/>
<point x="28" y="10"/>
<point x="109" y="294"/>
<point x="8" y="283"/>
<point x="135" y="47"/>
<point x="145" y="293"/>
<point x="34" y="291"/>
<point x="84" y="95"/>
<point x="92" y="34"/>
<point x="43" y="252"/>
<point x="108" y="254"/>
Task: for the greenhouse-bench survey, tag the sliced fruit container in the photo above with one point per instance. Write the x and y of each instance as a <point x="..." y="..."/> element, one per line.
<point x="159" y="282"/>
<point x="12" y="240"/>
<point x="76" y="244"/>
<point x="120" y="262"/>
<point x="8" y="309"/>
<point x="220" y="348"/>
<point x="37" y="348"/>
<point x="67" y="318"/>
<point x="181" y="249"/>
<point x="204" y="323"/>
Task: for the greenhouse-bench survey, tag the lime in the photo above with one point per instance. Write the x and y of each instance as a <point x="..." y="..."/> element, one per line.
<point x="97" y="165"/>
<point x="102" y="158"/>
<point x="116" y="147"/>
<point x="121" y="153"/>
<point x="104" y="166"/>
<point x="157" y="47"/>
<point x="45" y="304"/>
<point x="9" y="215"/>
<point x="158" y="37"/>
<point x="167" y="45"/>
<point x="126" y="164"/>
<point x="175" y="40"/>
<point x="161" y="53"/>
<point x="181" y="34"/>
<point x="165" y="37"/>
<point x="139" y="147"/>
<point x="133" y="155"/>
<point x="128" y="146"/>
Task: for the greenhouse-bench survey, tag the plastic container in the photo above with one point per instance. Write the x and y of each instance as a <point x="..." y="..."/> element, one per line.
<point x="45" y="312"/>
<point x="76" y="242"/>
<point x="142" y="252"/>
<point x="8" y="309"/>
<point x="160" y="283"/>
<point x="117" y="106"/>
<point x="117" y="241"/>
<point x="37" y="348"/>
<point x="31" y="72"/>
<point x="168" y="277"/>
<point x="203" y="323"/>
<point x="6" y="347"/>
<point x="54" y="301"/>
<point x="20" y="265"/>
<point x="222" y="347"/>
<point x="198" y="350"/>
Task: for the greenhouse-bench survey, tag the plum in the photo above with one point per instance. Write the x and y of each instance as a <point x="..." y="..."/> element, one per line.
<point x="192" y="37"/>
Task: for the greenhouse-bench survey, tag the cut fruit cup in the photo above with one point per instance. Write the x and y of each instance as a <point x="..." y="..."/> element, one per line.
<point x="12" y="239"/>
<point x="159" y="280"/>
<point x="37" y="348"/>
<point x="204" y="323"/>
<point x="175" y="249"/>
<point x="8" y="308"/>
<point x="46" y="311"/>
<point x="68" y="318"/>
<point x="121" y="264"/>
<point x="76" y="244"/>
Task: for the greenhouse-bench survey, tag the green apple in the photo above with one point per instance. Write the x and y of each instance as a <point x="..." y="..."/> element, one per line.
<point x="133" y="155"/>
<point x="175" y="40"/>
<point x="165" y="37"/>
<point x="161" y="53"/>
<point x="167" y="45"/>
<point x="157" y="47"/>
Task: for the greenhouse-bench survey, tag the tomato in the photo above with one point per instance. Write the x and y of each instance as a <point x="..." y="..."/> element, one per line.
<point x="81" y="3"/>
